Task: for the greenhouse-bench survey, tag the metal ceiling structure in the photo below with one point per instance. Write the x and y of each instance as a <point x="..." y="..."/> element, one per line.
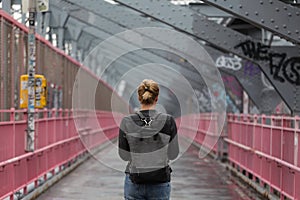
<point x="247" y="29"/>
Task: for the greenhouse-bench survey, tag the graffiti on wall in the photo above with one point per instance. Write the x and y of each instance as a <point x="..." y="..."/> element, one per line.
<point x="203" y="98"/>
<point x="233" y="63"/>
<point x="219" y="96"/>
<point x="282" y="69"/>
<point x="234" y="90"/>
<point x="250" y="69"/>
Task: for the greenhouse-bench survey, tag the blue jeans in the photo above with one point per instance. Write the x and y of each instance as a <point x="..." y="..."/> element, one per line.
<point x="132" y="191"/>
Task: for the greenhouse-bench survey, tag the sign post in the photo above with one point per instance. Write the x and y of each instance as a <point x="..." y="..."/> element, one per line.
<point x="30" y="137"/>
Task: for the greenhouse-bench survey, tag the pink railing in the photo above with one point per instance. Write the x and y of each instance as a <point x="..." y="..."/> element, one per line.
<point x="267" y="148"/>
<point x="57" y="143"/>
<point x="202" y="129"/>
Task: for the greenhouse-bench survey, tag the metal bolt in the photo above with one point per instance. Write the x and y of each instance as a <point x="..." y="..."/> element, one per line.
<point x="276" y="27"/>
<point x="272" y="20"/>
<point x="256" y="13"/>
<point x="202" y="32"/>
<point x="296" y="31"/>
<point x="285" y="8"/>
<point x="289" y="32"/>
<point x="277" y="9"/>
<point x="297" y="13"/>
<point x="262" y="21"/>
<point x="270" y="1"/>
<point x="246" y="13"/>
<point x="240" y="6"/>
<point x="230" y="6"/>
<point x="261" y="2"/>
<point x="289" y="14"/>
<point x="284" y="25"/>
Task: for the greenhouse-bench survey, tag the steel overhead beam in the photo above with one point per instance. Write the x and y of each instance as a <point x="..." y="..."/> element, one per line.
<point x="88" y="16"/>
<point x="111" y="18"/>
<point x="273" y="15"/>
<point x="209" y="11"/>
<point x="92" y="30"/>
<point x="281" y="74"/>
<point x="109" y="11"/>
<point x="119" y="17"/>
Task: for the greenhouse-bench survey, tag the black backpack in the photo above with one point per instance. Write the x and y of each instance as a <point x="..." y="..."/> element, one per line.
<point x="148" y="148"/>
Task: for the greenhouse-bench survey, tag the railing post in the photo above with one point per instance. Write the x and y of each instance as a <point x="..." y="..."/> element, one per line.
<point x="296" y="141"/>
<point x="12" y="114"/>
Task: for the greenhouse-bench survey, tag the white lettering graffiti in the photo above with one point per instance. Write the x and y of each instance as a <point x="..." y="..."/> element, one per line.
<point x="233" y="63"/>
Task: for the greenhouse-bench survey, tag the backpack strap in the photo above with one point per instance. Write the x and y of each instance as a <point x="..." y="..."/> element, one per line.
<point x="144" y="119"/>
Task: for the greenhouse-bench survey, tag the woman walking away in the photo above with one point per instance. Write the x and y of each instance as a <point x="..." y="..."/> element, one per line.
<point x="148" y="140"/>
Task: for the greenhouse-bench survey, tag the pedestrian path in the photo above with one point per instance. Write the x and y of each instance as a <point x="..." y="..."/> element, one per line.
<point x="192" y="179"/>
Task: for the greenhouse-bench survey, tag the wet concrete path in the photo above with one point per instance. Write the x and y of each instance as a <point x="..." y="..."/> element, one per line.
<point x="192" y="178"/>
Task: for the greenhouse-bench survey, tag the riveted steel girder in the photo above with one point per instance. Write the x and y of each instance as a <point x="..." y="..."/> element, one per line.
<point x="273" y="15"/>
<point x="112" y="13"/>
<point x="209" y="11"/>
<point x="89" y="17"/>
<point x="280" y="69"/>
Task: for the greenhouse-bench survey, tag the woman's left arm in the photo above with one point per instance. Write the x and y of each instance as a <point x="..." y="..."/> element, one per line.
<point x="173" y="148"/>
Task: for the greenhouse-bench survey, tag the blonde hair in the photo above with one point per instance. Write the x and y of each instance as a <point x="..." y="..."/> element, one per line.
<point x="148" y="90"/>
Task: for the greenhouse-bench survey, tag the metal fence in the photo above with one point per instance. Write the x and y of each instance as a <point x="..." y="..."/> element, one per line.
<point x="263" y="149"/>
<point x="57" y="145"/>
<point x="59" y="69"/>
<point x="266" y="150"/>
<point x="203" y="129"/>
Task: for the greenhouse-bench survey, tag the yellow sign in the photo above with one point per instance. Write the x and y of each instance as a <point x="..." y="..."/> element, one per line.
<point x="40" y="91"/>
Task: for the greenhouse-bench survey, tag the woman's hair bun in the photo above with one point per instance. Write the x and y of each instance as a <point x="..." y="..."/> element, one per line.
<point x="148" y="90"/>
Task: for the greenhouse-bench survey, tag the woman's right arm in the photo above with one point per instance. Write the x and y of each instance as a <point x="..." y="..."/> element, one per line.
<point x="124" y="151"/>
